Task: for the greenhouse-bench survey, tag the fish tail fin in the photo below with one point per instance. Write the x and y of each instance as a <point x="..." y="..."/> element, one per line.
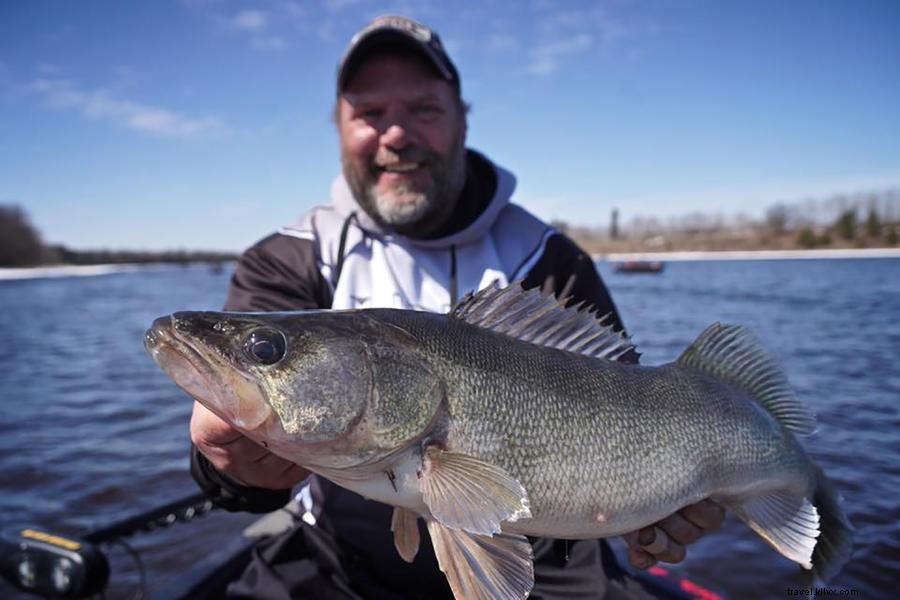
<point x="733" y="354"/>
<point x="835" y="542"/>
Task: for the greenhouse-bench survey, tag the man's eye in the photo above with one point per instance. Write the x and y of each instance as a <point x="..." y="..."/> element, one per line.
<point x="427" y="110"/>
<point x="370" y="113"/>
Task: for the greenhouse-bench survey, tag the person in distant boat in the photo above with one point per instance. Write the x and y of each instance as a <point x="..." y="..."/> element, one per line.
<point x="415" y="220"/>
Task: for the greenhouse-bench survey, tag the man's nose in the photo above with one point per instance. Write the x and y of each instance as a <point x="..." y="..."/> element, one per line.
<point x="396" y="136"/>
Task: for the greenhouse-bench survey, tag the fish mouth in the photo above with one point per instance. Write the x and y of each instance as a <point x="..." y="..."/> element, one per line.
<point x="211" y="380"/>
<point x="162" y="338"/>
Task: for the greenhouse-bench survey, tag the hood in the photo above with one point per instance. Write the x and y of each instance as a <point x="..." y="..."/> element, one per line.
<point x="346" y="204"/>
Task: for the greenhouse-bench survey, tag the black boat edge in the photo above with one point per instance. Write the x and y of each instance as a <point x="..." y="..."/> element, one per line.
<point x="212" y="584"/>
<point x="209" y="578"/>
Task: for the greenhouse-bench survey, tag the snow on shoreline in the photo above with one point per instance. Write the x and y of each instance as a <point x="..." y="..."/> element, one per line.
<point x="752" y="255"/>
<point x="66" y="271"/>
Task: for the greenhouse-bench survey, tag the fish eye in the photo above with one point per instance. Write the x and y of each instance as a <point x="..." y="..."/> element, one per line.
<point x="265" y="346"/>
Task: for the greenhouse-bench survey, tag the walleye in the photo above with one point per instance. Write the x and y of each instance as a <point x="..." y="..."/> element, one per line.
<point x="509" y="417"/>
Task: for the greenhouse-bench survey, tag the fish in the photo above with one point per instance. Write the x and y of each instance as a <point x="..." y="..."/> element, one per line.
<point x="514" y="415"/>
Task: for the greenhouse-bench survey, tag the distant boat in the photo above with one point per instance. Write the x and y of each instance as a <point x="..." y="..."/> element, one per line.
<point x="639" y="266"/>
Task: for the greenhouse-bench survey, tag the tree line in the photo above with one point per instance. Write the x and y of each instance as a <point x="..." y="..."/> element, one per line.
<point x="870" y="219"/>
<point x="866" y="219"/>
<point x="21" y="246"/>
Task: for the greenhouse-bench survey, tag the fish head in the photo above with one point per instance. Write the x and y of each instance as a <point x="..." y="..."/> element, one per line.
<point x="327" y="389"/>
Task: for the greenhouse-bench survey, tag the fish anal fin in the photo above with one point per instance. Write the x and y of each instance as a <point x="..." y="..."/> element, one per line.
<point x="482" y="567"/>
<point x="466" y="493"/>
<point x="788" y="523"/>
<point x="405" y="526"/>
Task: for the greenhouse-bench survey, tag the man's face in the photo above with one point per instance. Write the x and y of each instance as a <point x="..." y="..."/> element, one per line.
<point x="402" y="133"/>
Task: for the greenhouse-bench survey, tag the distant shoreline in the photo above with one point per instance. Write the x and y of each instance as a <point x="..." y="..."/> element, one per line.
<point x="688" y="255"/>
<point x="58" y="271"/>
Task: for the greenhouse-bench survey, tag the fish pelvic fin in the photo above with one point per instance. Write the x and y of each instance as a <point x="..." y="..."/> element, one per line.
<point x="405" y="526"/>
<point x="466" y="493"/>
<point x="733" y="354"/>
<point x="482" y="567"/>
<point x="835" y="543"/>
<point x="538" y="318"/>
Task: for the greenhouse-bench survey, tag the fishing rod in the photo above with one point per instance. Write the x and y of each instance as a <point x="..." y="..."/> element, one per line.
<point x="53" y="565"/>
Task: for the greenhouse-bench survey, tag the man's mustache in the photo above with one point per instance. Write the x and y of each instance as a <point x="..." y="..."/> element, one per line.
<point x="386" y="157"/>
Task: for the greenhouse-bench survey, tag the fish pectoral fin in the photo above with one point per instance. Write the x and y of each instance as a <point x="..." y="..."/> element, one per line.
<point x="483" y="567"/>
<point x="405" y="526"/>
<point x="463" y="492"/>
<point x="789" y="523"/>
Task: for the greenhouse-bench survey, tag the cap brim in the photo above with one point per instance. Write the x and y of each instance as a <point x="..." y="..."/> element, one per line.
<point x="383" y="39"/>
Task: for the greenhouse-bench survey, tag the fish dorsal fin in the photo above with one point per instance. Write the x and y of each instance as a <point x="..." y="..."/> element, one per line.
<point x="733" y="354"/>
<point x="531" y="316"/>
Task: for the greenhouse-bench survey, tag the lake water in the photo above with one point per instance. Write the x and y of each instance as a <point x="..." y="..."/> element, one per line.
<point x="91" y="431"/>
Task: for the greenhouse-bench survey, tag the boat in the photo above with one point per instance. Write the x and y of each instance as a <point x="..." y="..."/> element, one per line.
<point x="30" y="557"/>
<point x="639" y="266"/>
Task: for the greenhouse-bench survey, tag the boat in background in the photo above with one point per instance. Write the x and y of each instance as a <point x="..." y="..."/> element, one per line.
<point x="639" y="266"/>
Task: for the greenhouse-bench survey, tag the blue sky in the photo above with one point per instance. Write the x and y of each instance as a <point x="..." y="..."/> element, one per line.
<point x="205" y="123"/>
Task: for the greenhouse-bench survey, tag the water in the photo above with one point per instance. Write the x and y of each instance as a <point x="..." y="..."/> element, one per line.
<point x="835" y="326"/>
<point x="91" y="431"/>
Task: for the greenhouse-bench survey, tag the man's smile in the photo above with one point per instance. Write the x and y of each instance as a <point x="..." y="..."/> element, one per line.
<point x="404" y="167"/>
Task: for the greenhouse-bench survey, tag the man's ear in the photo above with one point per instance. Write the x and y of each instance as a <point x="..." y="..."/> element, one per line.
<point x="464" y="108"/>
<point x="336" y="112"/>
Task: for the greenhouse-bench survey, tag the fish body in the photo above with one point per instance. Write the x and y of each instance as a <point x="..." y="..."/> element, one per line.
<point x="510" y="417"/>
<point x="628" y="442"/>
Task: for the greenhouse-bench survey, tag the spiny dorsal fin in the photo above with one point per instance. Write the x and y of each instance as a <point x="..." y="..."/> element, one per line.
<point x="731" y="353"/>
<point x="531" y="316"/>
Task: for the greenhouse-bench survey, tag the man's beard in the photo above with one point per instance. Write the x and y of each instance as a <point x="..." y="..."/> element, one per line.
<point x="403" y="208"/>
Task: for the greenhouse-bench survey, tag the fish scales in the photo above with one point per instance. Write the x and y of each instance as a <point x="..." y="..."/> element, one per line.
<point x="600" y="422"/>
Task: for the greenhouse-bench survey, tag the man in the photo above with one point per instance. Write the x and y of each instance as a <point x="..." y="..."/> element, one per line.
<point x="414" y="220"/>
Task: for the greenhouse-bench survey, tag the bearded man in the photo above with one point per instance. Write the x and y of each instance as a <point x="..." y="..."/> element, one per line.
<point x="414" y="220"/>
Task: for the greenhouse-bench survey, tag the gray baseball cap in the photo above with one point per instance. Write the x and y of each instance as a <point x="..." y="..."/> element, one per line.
<point x="394" y="30"/>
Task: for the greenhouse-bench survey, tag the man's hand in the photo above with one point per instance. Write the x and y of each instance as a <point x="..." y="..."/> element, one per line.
<point x="665" y="541"/>
<point x="239" y="457"/>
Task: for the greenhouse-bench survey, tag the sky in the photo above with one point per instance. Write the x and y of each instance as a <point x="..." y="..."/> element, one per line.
<point x="205" y="124"/>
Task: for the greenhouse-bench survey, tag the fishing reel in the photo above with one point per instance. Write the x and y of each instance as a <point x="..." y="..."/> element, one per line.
<point x="54" y="566"/>
<point x="51" y="565"/>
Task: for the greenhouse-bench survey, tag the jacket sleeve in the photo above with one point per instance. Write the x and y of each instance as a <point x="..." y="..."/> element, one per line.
<point x="278" y="273"/>
<point x="566" y="271"/>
